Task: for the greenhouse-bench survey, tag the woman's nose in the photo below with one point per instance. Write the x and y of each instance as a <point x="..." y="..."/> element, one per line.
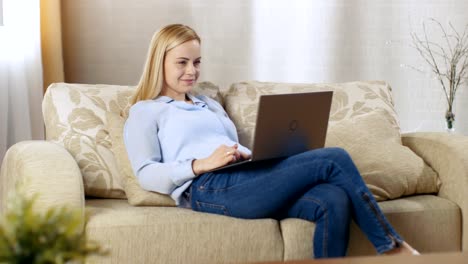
<point x="190" y="69"/>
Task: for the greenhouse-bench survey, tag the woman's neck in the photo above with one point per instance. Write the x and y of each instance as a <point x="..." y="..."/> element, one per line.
<point x="175" y="96"/>
<point x="178" y="97"/>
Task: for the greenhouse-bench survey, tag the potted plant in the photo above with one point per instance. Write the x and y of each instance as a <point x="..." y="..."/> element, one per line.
<point x="56" y="236"/>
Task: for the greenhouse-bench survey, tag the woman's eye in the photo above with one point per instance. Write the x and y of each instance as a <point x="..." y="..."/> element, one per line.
<point x="197" y="63"/>
<point x="182" y="62"/>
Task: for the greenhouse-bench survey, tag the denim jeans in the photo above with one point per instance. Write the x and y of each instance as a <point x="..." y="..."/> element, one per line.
<point x="323" y="186"/>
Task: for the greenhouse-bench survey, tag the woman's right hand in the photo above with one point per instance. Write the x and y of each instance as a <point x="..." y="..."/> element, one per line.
<point x="223" y="155"/>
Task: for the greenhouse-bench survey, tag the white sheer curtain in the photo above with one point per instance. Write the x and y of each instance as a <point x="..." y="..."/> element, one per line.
<point x="347" y="40"/>
<point x="20" y="74"/>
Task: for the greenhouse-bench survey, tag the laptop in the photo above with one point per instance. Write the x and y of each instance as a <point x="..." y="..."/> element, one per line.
<point x="289" y="124"/>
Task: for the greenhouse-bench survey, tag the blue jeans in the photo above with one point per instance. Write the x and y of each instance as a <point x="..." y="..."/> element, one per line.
<point x="323" y="186"/>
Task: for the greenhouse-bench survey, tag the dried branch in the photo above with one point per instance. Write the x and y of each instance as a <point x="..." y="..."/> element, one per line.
<point x="446" y="37"/>
<point x="435" y="66"/>
<point x="448" y="61"/>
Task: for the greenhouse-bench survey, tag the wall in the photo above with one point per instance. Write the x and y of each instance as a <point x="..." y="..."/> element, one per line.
<point x="106" y="41"/>
<point x="286" y="41"/>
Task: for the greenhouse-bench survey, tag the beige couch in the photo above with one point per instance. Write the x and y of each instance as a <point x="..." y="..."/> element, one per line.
<point x="84" y="154"/>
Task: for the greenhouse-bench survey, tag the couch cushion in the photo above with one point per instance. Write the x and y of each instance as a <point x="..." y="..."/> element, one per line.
<point x="75" y="117"/>
<point x="427" y="222"/>
<point x="389" y="169"/>
<point x="377" y="162"/>
<point x="349" y="100"/>
<point x="176" y="235"/>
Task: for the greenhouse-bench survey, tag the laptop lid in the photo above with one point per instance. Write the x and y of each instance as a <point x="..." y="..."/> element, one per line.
<point x="288" y="124"/>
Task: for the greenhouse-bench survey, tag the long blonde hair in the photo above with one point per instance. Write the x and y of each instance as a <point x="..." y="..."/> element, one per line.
<point x="152" y="79"/>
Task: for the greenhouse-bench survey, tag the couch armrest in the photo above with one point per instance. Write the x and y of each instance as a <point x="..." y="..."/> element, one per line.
<point x="447" y="154"/>
<point x="44" y="168"/>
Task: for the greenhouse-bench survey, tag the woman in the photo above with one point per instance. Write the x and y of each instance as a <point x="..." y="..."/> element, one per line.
<point x="174" y="139"/>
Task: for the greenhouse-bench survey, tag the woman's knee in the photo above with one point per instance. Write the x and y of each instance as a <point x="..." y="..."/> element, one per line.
<point x="323" y="201"/>
<point x="338" y="152"/>
<point x="335" y="202"/>
<point x="335" y="199"/>
<point x="338" y="155"/>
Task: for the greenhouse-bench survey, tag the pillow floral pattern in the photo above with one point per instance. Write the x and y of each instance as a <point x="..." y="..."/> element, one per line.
<point x="349" y="100"/>
<point x="75" y="117"/>
<point x="362" y="121"/>
<point x="389" y="169"/>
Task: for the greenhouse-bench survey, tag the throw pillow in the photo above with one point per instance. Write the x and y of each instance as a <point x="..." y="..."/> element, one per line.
<point x="75" y="117"/>
<point x="349" y="99"/>
<point x="389" y="169"/>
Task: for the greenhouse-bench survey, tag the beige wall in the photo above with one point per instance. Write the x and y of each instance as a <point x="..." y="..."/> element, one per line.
<point x="106" y="41"/>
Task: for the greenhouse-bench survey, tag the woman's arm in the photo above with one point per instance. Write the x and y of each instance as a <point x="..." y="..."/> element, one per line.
<point x="144" y="151"/>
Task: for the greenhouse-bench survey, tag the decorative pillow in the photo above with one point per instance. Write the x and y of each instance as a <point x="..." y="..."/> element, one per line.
<point x="135" y="194"/>
<point x="349" y="100"/>
<point x="389" y="169"/>
<point x="379" y="163"/>
<point x="75" y="117"/>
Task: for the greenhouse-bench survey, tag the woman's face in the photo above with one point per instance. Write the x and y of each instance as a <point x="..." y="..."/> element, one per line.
<point x="181" y="69"/>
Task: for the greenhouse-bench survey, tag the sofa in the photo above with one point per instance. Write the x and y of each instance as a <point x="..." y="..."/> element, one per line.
<point x="420" y="179"/>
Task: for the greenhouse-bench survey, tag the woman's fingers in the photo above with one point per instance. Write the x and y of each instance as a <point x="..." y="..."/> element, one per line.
<point x="244" y="156"/>
<point x="232" y="156"/>
<point x="228" y="154"/>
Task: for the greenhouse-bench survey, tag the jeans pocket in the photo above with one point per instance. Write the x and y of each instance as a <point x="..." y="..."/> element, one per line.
<point x="205" y="178"/>
<point x="219" y="182"/>
<point x="212" y="208"/>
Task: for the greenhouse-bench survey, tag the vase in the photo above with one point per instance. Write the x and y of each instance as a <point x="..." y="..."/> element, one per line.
<point x="450" y="121"/>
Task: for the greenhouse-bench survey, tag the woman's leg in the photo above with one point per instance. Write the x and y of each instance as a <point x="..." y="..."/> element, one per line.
<point x="330" y="208"/>
<point x="342" y="172"/>
<point x="261" y="190"/>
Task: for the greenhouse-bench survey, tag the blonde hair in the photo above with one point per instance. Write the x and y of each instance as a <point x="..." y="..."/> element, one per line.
<point x="152" y="79"/>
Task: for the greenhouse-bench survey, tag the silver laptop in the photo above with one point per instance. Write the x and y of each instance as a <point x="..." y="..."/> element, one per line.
<point x="289" y="124"/>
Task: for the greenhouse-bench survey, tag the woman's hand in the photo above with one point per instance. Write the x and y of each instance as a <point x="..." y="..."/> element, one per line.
<point x="223" y="155"/>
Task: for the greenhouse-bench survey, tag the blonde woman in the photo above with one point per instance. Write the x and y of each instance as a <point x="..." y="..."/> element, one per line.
<point x="174" y="139"/>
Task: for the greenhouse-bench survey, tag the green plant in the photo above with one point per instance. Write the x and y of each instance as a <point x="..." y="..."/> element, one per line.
<point x="55" y="236"/>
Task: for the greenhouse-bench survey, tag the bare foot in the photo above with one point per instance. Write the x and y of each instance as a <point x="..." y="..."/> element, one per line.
<point x="404" y="249"/>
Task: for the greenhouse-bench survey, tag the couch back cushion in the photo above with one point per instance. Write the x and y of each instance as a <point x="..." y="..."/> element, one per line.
<point x="75" y="117"/>
<point x="358" y="108"/>
<point x="349" y="100"/>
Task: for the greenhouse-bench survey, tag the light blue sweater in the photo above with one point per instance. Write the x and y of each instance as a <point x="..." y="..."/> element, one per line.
<point x="164" y="136"/>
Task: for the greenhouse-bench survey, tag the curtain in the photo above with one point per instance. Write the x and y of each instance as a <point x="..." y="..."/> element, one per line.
<point x="51" y="41"/>
<point x="348" y="40"/>
<point x="21" y="87"/>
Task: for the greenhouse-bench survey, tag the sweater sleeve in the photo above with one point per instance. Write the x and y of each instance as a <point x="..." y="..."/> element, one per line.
<point x="144" y="151"/>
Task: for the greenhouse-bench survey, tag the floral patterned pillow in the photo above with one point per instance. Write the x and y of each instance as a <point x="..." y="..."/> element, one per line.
<point x="362" y="121"/>
<point x="389" y="169"/>
<point x="349" y="100"/>
<point x="75" y="117"/>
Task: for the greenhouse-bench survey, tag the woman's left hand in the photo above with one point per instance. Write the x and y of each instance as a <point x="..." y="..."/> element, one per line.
<point x="222" y="156"/>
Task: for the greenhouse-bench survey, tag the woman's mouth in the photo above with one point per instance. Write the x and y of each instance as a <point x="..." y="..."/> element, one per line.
<point x="190" y="81"/>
